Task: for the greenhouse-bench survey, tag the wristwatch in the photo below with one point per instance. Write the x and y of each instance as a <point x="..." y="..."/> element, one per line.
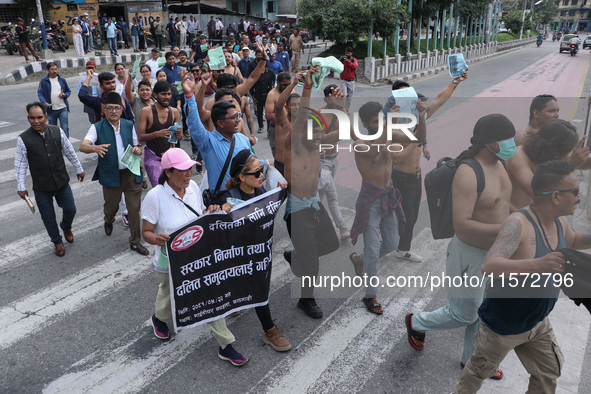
<point x="455" y="81"/>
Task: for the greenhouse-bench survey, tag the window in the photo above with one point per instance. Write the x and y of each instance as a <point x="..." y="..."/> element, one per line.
<point x="584" y="2"/>
<point x="573" y="12"/>
<point x="563" y="13"/>
<point x="9" y="13"/>
<point x="564" y="2"/>
<point x="235" y="6"/>
<point x="248" y="7"/>
<point x="589" y="16"/>
<point x="574" y="2"/>
<point x="270" y="7"/>
<point x="72" y="7"/>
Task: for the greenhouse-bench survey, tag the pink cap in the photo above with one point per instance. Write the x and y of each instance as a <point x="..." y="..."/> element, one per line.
<point x="176" y="158"/>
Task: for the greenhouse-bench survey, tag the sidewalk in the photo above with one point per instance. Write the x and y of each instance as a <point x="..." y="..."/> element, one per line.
<point x="14" y="69"/>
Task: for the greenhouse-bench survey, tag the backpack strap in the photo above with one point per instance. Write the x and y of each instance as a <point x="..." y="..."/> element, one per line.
<point x="480" y="181"/>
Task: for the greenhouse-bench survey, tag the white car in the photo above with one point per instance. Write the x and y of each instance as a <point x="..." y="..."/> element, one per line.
<point x="587" y="42"/>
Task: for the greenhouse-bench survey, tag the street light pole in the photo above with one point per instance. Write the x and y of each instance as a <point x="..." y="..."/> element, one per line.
<point x="522" y="19"/>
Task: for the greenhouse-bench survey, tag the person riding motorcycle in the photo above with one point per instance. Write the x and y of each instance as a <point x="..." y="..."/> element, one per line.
<point x="575" y="40"/>
<point x="540" y="38"/>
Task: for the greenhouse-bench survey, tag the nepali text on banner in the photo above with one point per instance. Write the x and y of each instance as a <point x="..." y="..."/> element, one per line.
<point x="221" y="263"/>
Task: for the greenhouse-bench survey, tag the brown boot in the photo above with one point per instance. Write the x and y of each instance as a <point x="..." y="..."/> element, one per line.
<point x="274" y="339"/>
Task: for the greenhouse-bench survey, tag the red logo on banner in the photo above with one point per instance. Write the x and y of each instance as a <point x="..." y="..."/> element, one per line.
<point x="187" y="238"/>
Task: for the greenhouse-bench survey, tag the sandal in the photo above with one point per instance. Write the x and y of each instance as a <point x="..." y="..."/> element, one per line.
<point x="413" y="334"/>
<point x="144" y="184"/>
<point x="357" y="266"/>
<point x="498" y="376"/>
<point x="371" y="306"/>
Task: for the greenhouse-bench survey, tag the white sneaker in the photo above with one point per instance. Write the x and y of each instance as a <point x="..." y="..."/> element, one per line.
<point x="408" y="256"/>
<point x="125" y="220"/>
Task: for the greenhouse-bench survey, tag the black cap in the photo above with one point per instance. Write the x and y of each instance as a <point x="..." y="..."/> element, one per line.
<point x="155" y="50"/>
<point x="20" y="19"/>
<point x="113" y="98"/>
<point x="239" y="162"/>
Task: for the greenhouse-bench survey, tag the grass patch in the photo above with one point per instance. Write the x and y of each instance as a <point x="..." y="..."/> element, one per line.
<point x="501" y="37"/>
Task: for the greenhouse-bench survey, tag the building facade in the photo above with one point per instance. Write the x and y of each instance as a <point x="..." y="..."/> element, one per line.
<point x="573" y="15"/>
<point x="266" y="9"/>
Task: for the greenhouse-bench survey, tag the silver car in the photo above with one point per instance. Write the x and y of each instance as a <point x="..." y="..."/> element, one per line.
<point x="565" y="42"/>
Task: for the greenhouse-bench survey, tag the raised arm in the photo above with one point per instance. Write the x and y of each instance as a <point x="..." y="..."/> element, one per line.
<point x="279" y="110"/>
<point x="445" y="95"/>
<point x="198" y="132"/>
<point x="299" y="124"/>
<point x="204" y="114"/>
<point x="128" y="91"/>
<point x="254" y="76"/>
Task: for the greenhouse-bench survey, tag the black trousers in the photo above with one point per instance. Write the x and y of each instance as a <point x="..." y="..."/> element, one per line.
<point x="411" y="189"/>
<point x="312" y="235"/>
<point x="261" y="101"/>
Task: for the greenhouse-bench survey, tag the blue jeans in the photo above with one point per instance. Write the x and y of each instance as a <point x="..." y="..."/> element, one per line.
<point x="62" y="115"/>
<point x="136" y="43"/>
<point x="85" y="40"/>
<point x="65" y="200"/>
<point x="373" y="246"/>
<point x="113" y="45"/>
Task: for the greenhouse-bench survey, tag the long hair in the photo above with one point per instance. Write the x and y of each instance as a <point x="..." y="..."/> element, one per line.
<point x="554" y="141"/>
<point x="235" y="181"/>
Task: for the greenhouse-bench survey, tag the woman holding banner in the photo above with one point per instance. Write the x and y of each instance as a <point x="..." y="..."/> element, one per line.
<point x="174" y="202"/>
<point x="246" y="182"/>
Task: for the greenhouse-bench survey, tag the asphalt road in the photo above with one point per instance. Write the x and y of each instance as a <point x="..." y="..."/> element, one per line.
<point x="80" y="323"/>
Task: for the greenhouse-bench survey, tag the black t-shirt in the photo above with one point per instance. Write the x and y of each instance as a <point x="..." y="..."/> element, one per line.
<point x="23" y="34"/>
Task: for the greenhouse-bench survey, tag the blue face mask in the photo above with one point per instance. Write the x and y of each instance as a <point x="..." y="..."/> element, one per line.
<point x="507" y="149"/>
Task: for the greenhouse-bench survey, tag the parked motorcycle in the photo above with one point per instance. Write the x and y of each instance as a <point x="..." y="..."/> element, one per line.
<point x="150" y="41"/>
<point x="573" y="49"/>
<point x="58" y="37"/>
<point x="305" y="36"/>
<point x="7" y="39"/>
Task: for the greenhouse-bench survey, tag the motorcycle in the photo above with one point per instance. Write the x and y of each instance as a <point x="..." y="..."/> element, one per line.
<point x="58" y="36"/>
<point x="539" y="42"/>
<point x="150" y="41"/>
<point x="7" y="39"/>
<point x="573" y="49"/>
<point x="305" y="36"/>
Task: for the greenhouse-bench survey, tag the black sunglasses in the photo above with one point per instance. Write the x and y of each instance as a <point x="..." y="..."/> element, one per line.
<point x="256" y="173"/>
<point x="575" y="191"/>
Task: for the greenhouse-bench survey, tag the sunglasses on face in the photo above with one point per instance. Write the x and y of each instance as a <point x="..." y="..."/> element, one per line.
<point x="256" y="173"/>
<point x="574" y="191"/>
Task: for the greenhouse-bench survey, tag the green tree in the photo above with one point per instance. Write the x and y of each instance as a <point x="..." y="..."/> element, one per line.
<point x="545" y="12"/>
<point x="512" y="21"/>
<point x="388" y="16"/>
<point x="337" y="20"/>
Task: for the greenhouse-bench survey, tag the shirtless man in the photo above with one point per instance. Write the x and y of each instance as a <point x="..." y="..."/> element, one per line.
<point x="308" y="223"/>
<point x="543" y="109"/>
<point x="287" y="103"/>
<point x="516" y="318"/>
<point x="153" y="129"/>
<point x="554" y="141"/>
<point x="377" y="191"/>
<point x="283" y="81"/>
<point x="477" y="221"/>
<point x="406" y="170"/>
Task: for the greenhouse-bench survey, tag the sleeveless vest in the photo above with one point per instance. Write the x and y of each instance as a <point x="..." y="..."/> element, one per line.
<point x="107" y="169"/>
<point x="46" y="161"/>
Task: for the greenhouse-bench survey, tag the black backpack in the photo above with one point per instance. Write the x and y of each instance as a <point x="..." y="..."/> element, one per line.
<point x="438" y="186"/>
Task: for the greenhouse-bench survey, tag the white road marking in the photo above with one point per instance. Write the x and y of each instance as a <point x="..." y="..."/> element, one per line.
<point x="9" y="153"/>
<point x="30" y="314"/>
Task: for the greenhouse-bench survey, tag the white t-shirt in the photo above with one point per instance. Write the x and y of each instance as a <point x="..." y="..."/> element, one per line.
<point x="246" y="25"/>
<point x="153" y="67"/>
<point x="56" y="90"/>
<point x="219" y="25"/>
<point x="164" y="209"/>
<point x="92" y="137"/>
<point x="182" y="26"/>
<point x="575" y="40"/>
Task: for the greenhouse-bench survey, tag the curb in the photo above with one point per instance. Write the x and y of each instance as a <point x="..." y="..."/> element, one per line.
<point x="29" y="69"/>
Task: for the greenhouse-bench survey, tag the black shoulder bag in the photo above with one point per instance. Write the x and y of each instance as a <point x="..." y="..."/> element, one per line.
<point x="208" y="196"/>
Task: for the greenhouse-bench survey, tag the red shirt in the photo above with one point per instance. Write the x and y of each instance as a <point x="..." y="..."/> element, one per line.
<point x="350" y="67"/>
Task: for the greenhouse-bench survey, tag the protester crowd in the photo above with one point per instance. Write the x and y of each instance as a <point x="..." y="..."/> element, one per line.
<point x="514" y="224"/>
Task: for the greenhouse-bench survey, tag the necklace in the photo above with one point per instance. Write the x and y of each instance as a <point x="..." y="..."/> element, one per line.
<point x="542" y="227"/>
